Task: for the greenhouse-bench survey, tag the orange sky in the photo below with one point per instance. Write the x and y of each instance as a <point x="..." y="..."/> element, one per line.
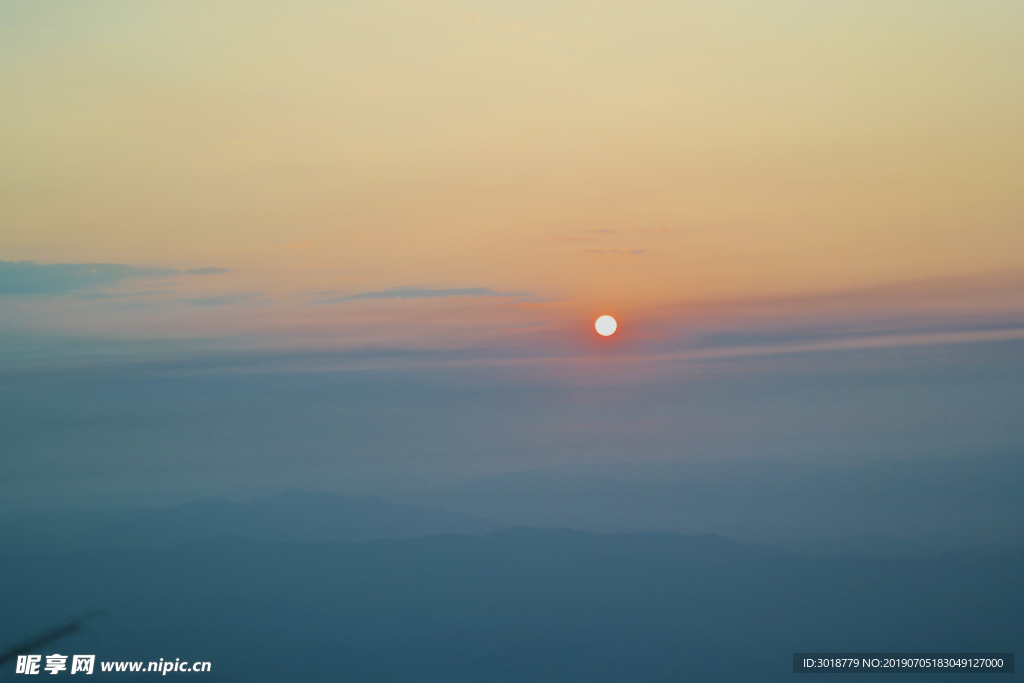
<point x="602" y="157"/>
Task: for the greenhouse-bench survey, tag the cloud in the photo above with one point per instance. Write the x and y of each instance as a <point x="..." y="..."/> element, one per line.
<point x="422" y="293"/>
<point x="616" y="252"/>
<point x="125" y="295"/>
<point x="572" y="238"/>
<point x="223" y="300"/>
<point x="991" y="296"/>
<point x="198" y="271"/>
<point x="29" y="277"/>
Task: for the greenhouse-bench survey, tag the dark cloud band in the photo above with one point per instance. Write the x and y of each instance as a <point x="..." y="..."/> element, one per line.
<point x="29" y="277"/>
<point x="421" y="293"/>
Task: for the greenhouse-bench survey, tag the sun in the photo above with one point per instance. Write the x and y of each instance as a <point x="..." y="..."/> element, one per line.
<point x="606" y="326"/>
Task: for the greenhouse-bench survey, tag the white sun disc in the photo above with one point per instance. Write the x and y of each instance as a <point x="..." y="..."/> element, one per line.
<point x="605" y="325"/>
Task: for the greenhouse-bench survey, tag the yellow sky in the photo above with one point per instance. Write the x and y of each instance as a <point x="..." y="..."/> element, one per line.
<point x="609" y="154"/>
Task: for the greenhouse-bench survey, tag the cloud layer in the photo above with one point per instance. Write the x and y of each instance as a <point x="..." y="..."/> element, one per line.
<point x="422" y="293"/>
<point x="29" y="277"/>
<point x="223" y="300"/>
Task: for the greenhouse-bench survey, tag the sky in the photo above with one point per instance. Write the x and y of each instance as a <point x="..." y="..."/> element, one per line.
<point x="414" y="194"/>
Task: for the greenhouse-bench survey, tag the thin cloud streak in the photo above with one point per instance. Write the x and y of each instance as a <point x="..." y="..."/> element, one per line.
<point x="423" y="293"/>
<point x="857" y="343"/>
<point x="410" y="359"/>
<point x="223" y="300"/>
<point x="31" y="278"/>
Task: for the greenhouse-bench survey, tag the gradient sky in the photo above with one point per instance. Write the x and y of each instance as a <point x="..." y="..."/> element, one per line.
<point x="483" y="179"/>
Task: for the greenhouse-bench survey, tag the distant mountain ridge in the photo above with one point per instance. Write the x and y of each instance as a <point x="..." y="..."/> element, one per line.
<point x="292" y="516"/>
<point x="924" y="504"/>
<point x="878" y="509"/>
